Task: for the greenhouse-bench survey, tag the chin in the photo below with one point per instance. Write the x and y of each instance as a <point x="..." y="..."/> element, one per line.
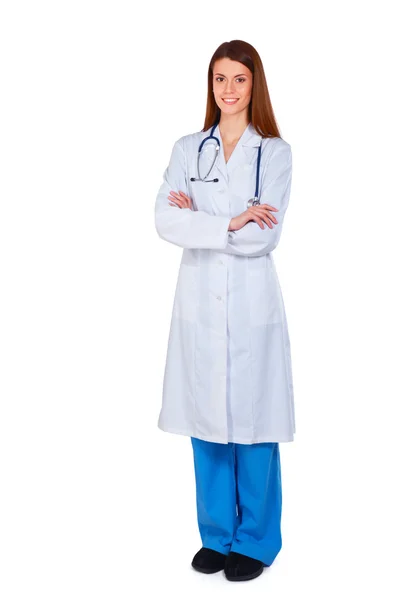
<point x="230" y="109"/>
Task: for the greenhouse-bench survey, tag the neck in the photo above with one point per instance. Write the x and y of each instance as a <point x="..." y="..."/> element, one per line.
<point x="231" y="127"/>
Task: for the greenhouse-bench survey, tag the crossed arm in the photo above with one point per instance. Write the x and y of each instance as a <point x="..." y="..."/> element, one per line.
<point x="198" y="229"/>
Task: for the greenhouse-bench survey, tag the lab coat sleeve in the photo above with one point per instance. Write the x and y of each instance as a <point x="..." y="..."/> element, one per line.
<point x="182" y="226"/>
<point x="275" y="187"/>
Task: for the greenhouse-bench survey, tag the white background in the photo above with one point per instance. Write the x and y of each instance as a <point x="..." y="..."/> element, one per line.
<point x="96" y="501"/>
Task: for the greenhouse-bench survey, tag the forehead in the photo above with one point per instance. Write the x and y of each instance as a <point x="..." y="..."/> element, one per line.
<point x="232" y="68"/>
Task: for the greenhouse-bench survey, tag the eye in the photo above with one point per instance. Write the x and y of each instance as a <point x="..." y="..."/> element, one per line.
<point x="241" y="79"/>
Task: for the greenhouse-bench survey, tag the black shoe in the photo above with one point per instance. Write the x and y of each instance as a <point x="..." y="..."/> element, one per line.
<point x="239" y="567"/>
<point x="208" y="561"/>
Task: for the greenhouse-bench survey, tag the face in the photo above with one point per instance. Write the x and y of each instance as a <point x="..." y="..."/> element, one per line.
<point x="231" y="79"/>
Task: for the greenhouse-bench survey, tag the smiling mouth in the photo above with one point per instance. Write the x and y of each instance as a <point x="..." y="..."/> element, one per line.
<point x="230" y="100"/>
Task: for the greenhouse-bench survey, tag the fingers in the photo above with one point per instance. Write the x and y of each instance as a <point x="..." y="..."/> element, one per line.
<point x="259" y="221"/>
<point x="271" y="217"/>
<point x="258" y="217"/>
<point x="264" y="220"/>
<point x="268" y="222"/>
<point x="263" y="214"/>
<point x="176" y="198"/>
<point x="175" y="202"/>
<point x="268" y="215"/>
<point x="180" y="200"/>
<point x="263" y="207"/>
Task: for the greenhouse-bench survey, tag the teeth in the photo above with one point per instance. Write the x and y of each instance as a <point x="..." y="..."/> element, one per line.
<point x="230" y="100"/>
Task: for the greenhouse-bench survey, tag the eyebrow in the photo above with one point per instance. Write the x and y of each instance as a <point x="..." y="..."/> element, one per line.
<point x="240" y="74"/>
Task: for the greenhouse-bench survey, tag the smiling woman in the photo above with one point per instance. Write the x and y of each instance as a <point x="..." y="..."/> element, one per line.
<point x="228" y="380"/>
<point x="231" y="89"/>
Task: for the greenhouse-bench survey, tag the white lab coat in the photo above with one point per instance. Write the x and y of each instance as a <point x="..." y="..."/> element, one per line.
<point x="228" y="375"/>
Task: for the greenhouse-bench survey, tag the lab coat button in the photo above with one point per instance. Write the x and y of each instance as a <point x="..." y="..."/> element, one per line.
<point x="219" y="297"/>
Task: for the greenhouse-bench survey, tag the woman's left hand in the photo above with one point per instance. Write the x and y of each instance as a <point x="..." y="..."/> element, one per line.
<point x="181" y="200"/>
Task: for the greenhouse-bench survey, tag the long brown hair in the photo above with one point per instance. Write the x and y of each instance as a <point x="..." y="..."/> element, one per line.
<point x="260" y="110"/>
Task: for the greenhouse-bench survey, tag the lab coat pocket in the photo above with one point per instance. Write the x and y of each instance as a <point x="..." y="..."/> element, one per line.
<point x="201" y="193"/>
<point x="186" y="293"/>
<point x="264" y="301"/>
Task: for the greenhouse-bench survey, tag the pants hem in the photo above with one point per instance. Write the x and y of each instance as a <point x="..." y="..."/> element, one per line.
<point x="215" y="545"/>
<point x="255" y="551"/>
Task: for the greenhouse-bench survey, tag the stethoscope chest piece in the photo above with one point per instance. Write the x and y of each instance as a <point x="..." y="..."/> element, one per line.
<point x="253" y="202"/>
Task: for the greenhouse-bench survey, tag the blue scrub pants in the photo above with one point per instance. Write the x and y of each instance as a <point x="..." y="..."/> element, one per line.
<point x="239" y="497"/>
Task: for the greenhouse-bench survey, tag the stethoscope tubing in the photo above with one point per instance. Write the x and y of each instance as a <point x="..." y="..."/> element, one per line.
<point x="252" y="201"/>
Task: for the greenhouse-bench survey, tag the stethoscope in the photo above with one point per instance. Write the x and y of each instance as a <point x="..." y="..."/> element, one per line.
<point x="252" y="201"/>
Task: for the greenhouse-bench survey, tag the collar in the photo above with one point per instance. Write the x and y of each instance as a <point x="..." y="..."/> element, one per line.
<point x="245" y="150"/>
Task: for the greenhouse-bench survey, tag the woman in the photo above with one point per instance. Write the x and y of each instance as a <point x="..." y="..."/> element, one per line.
<point x="228" y="380"/>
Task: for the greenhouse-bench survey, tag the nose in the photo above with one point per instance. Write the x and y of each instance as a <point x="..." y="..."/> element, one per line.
<point x="229" y="89"/>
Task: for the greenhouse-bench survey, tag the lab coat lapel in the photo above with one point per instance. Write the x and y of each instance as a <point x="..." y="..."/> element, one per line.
<point x="243" y="153"/>
<point x="243" y="156"/>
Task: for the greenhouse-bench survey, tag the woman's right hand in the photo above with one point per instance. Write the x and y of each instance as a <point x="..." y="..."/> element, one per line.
<point x="260" y="214"/>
